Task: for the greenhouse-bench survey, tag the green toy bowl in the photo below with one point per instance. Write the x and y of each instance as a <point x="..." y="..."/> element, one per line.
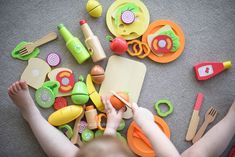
<point x="15" y="53"/>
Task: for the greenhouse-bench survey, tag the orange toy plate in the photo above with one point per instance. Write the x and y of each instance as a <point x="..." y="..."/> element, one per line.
<point x="140" y="147"/>
<point x="171" y="56"/>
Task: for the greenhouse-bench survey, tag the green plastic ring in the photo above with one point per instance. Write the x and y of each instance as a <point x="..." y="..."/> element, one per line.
<point x="164" y="102"/>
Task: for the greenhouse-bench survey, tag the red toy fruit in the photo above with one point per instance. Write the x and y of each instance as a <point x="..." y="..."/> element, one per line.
<point x="117" y="104"/>
<point x="60" y="102"/>
<point x="118" y="45"/>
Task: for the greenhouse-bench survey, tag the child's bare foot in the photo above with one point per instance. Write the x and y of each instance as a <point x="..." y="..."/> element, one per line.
<point x="19" y="93"/>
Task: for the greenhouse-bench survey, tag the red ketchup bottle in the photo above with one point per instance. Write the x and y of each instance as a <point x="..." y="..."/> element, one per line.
<point x="208" y="70"/>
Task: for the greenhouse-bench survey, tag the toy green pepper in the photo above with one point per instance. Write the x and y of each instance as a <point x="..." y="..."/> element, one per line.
<point x="80" y="94"/>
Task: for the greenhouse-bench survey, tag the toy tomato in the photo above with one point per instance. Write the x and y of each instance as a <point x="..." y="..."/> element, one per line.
<point x="117" y="104"/>
<point x="118" y="45"/>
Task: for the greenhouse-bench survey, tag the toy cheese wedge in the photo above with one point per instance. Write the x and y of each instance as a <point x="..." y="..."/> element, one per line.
<point x="35" y="73"/>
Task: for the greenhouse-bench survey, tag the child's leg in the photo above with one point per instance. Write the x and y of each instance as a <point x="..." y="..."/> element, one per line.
<point x="215" y="141"/>
<point x="53" y="142"/>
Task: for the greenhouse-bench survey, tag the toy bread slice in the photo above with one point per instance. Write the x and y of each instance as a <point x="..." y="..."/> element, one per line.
<point x="35" y="73"/>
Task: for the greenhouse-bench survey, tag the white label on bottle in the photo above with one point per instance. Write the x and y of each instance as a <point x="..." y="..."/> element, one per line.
<point x="205" y="70"/>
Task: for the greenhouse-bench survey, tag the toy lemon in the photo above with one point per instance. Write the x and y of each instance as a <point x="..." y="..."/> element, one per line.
<point x="65" y="115"/>
<point x="80" y="94"/>
<point x="94" y="8"/>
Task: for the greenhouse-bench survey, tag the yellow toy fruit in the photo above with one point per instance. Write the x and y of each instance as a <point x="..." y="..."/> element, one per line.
<point x="94" y="8"/>
<point x="65" y="115"/>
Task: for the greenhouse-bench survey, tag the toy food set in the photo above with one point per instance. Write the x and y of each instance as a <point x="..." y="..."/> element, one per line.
<point x="195" y="118"/>
<point x="97" y="74"/>
<point x="67" y="130"/>
<point x="91" y="117"/>
<point x="94" y="8"/>
<point x="52" y="75"/>
<point x="60" y="102"/>
<point x="207" y="70"/>
<point x="165" y="39"/>
<point x="209" y="118"/>
<point x="45" y="95"/>
<point x="80" y="94"/>
<point x="87" y="135"/>
<point x="118" y="104"/>
<point x="65" y="115"/>
<point x="16" y="54"/>
<point x="35" y="72"/>
<point x="92" y="43"/>
<point x="118" y="45"/>
<point x="134" y="73"/>
<point x="74" y="45"/>
<point x="127" y="18"/>
<point x="139" y="143"/>
<point x="93" y="94"/>
<point x="53" y="59"/>
<point x="164" y="102"/>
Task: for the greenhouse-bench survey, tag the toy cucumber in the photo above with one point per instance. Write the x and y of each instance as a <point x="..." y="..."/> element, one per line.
<point x="80" y="94"/>
<point x="45" y="95"/>
<point x="65" y="115"/>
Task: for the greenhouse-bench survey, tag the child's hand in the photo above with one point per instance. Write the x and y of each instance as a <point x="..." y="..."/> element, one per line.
<point x="141" y="115"/>
<point x="113" y="117"/>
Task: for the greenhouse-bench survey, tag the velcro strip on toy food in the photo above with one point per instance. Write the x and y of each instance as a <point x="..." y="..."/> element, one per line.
<point x="66" y="80"/>
<point x="45" y="96"/>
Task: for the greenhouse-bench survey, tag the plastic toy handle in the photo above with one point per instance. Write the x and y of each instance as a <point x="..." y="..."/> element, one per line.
<point x="198" y="102"/>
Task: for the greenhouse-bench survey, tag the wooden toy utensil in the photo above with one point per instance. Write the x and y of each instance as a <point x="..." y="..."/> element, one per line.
<point x="28" y="48"/>
<point x="195" y="118"/>
<point x="76" y="139"/>
<point x="209" y="118"/>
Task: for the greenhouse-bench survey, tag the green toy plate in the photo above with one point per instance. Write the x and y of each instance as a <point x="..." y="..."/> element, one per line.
<point x="15" y="53"/>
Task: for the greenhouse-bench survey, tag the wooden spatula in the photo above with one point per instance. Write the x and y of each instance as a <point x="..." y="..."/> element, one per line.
<point x="209" y="118"/>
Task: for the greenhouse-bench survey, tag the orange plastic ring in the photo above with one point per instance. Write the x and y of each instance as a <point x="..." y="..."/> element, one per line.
<point x="135" y="52"/>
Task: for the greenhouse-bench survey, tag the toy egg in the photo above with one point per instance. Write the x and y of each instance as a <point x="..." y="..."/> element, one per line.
<point x="118" y="45"/>
<point x="80" y="94"/>
<point x="118" y="104"/>
<point x="94" y="8"/>
<point x="97" y="74"/>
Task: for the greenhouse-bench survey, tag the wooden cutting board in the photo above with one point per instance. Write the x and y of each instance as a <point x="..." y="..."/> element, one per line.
<point x="126" y="75"/>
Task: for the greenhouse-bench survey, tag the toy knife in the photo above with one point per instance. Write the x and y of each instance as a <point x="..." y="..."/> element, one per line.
<point x="195" y="118"/>
<point x="121" y="99"/>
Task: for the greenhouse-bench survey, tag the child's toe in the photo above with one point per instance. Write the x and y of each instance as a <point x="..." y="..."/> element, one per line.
<point x="23" y="85"/>
<point x="18" y="87"/>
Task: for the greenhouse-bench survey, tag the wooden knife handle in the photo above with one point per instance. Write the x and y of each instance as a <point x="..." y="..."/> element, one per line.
<point x="47" y="38"/>
<point x="200" y="132"/>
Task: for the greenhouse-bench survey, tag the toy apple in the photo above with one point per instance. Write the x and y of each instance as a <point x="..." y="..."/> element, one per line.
<point x="118" y="45"/>
<point x="117" y="104"/>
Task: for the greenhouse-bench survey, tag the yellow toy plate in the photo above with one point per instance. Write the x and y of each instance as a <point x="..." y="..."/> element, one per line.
<point x="132" y="30"/>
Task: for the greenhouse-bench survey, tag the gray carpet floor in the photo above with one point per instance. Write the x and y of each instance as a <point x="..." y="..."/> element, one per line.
<point x="209" y="31"/>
